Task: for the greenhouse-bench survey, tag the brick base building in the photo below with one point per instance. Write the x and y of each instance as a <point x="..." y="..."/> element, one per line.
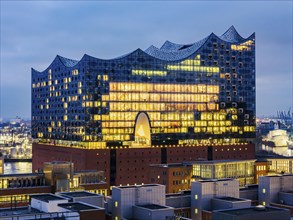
<point x="131" y="165"/>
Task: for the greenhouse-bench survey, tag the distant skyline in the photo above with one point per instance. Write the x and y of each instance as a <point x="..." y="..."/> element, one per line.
<point x="34" y="32"/>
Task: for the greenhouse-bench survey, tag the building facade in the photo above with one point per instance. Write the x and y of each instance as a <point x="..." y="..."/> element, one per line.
<point x="57" y="177"/>
<point x="200" y="95"/>
<point x="202" y="193"/>
<point x="176" y="177"/>
<point x="270" y="187"/>
<point x="242" y="170"/>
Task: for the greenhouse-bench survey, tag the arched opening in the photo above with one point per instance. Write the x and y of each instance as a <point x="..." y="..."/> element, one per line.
<point x="142" y="131"/>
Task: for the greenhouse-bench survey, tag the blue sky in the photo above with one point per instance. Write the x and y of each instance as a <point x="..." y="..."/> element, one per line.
<point x="34" y="32"/>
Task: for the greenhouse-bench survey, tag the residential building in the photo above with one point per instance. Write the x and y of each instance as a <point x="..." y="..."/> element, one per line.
<point x="176" y="177"/>
<point x="203" y="191"/>
<point x="146" y="198"/>
<point x="242" y="170"/>
<point x="180" y="202"/>
<point x="50" y="206"/>
<point x="252" y="213"/>
<point x="168" y="105"/>
<point x="271" y="186"/>
<point x="16" y="188"/>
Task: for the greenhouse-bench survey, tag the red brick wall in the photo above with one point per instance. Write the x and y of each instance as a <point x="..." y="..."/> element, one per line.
<point x="98" y="159"/>
<point x="47" y="153"/>
<point x="132" y="164"/>
<point x="237" y="151"/>
<point x="179" y="154"/>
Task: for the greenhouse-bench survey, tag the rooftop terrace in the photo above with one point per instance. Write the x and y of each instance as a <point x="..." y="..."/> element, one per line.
<point x="47" y="197"/>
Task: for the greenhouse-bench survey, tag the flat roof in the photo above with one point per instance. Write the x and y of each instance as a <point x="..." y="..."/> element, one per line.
<point x="22" y="175"/>
<point x="89" y="171"/>
<point x="250" y="210"/>
<point x="134" y="186"/>
<point x="57" y="162"/>
<point x="180" y="194"/>
<point x="152" y="206"/>
<point x="77" y="206"/>
<point x="214" y="180"/>
<point x="79" y="194"/>
<point x="277" y="175"/>
<point x="47" y="197"/>
<point x="231" y="199"/>
<point x="171" y="165"/>
<point x="289" y="192"/>
<point x="17" y="211"/>
<point x="249" y="187"/>
<point x="221" y="161"/>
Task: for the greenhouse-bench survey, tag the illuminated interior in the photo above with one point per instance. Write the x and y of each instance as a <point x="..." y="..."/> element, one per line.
<point x="142" y="130"/>
<point x="204" y="93"/>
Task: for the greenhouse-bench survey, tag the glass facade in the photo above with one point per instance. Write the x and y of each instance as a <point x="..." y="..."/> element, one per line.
<point x="241" y="170"/>
<point x="191" y="94"/>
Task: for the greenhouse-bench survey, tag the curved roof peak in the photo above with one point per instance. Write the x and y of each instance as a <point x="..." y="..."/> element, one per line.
<point x="67" y="62"/>
<point x="231" y="35"/>
<point x="182" y="52"/>
<point x="171" y="46"/>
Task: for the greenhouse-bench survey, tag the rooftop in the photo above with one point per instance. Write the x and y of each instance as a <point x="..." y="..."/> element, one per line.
<point x="47" y="197"/>
<point x="183" y="193"/>
<point x="78" y="194"/>
<point x="153" y="206"/>
<point x="170" y="165"/>
<point x="21" y="175"/>
<point x="58" y="162"/>
<point x="231" y="199"/>
<point x="249" y="187"/>
<point x="16" y="212"/>
<point x="77" y="206"/>
<point x="169" y="51"/>
<point x="250" y="211"/>
<point x="220" y="161"/>
<point x="215" y="180"/>
<point x="137" y="186"/>
<point x="289" y="192"/>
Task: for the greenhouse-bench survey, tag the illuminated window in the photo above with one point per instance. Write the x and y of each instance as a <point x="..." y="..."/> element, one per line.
<point x="195" y="211"/>
<point x="263" y="190"/>
<point x="116" y="203"/>
<point x="196" y="196"/>
<point x="105" y="77"/>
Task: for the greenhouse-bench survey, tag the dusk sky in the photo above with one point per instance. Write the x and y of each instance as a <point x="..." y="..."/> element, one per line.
<point x="33" y="33"/>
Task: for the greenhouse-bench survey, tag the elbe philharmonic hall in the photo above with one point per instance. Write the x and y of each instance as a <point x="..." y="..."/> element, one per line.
<point x="179" y="102"/>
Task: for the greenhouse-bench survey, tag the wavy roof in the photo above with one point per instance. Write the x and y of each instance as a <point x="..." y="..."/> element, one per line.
<point x="68" y="62"/>
<point x="232" y="36"/>
<point x="169" y="51"/>
<point x="172" y="54"/>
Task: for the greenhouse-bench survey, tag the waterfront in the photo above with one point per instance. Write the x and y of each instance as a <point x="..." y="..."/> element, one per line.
<point x="17" y="167"/>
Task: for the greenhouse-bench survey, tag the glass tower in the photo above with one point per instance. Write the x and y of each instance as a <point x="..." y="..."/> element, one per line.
<point x="200" y="93"/>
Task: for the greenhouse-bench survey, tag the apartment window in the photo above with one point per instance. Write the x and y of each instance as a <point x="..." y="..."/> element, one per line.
<point x="263" y="190"/>
<point x="116" y="203"/>
<point x="196" y="197"/>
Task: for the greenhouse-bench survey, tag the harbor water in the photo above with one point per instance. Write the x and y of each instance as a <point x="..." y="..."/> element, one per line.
<point x="17" y="167"/>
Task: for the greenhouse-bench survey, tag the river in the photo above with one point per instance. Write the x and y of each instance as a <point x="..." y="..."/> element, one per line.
<point x="17" y="167"/>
